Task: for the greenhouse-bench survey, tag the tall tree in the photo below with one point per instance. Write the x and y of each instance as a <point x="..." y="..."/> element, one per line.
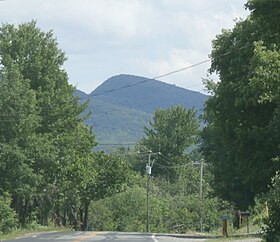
<point x="18" y="122"/>
<point x="56" y="137"/>
<point x="240" y="140"/>
<point x="171" y="132"/>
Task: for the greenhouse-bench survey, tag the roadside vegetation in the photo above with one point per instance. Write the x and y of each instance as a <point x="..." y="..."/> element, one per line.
<point x="50" y="175"/>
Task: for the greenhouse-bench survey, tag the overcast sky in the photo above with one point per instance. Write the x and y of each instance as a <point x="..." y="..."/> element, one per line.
<point x="103" y="38"/>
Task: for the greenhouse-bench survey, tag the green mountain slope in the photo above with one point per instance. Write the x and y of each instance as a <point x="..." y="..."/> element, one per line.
<point x="146" y="94"/>
<point x="115" y="124"/>
<point x="124" y="104"/>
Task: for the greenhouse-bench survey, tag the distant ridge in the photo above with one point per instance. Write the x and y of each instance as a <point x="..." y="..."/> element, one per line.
<point x="148" y="95"/>
<point x="121" y="107"/>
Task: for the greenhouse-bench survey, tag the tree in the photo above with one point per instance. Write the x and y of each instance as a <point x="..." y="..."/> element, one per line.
<point x="40" y="63"/>
<point x="8" y="219"/>
<point x="172" y="208"/>
<point x="171" y="133"/>
<point x="272" y="228"/>
<point x="42" y="129"/>
<point x="112" y="175"/>
<point x="18" y="123"/>
<point x="241" y="138"/>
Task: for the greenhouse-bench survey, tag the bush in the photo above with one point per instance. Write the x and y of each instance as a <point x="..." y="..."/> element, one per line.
<point x="8" y="218"/>
<point x="259" y="211"/>
<point x="272" y="229"/>
<point x="126" y="211"/>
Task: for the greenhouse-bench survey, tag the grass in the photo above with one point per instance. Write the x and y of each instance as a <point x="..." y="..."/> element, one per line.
<point x="253" y="229"/>
<point x="25" y="231"/>
<point x="229" y="239"/>
<point x="236" y="235"/>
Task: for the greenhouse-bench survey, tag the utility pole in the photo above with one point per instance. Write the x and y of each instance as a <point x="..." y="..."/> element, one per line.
<point x="149" y="172"/>
<point x="201" y="164"/>
<point x="200" y="192"/>
<point x="149" y="166"/>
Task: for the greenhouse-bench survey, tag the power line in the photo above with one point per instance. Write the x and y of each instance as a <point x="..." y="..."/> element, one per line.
<point x="117" y="144"/>
<point x="171" y="166"/>
<point x="174" y="166"/>
<point x="148" y="79"/>
<point x="154" y="78"/>
<point x="7" y="117"/>
<point x="166" y="74"/>
<point x="160" y="76"/>
<point x="117" y="89"/>
<point x="181" y="69"/>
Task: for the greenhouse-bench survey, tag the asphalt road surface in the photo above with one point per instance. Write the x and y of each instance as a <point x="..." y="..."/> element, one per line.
<point x="100" y="236"/>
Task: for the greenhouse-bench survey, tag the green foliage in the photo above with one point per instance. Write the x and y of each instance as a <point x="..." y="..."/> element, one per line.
<point x="120" y="116"/>
<point x="171" y="132"/>
<point x="18" y="107"/>
<point x="115" y="124"/>
<point x="112" y="175"/>
<point x="265" y="69"/>
<point x="125" y="211"/>
<point x="242" y="136"/>
<point x="148" y="96"/>
<point x="186" y="208"/>
<point x="46" y="158"/>
<point x="173" y="207"/>
<point x="8" y="218"/>
<point x="259" y="211"/>
<point x="187" y="211"/>
<point x="272" y="229"/>
<point x="45" y="145"/>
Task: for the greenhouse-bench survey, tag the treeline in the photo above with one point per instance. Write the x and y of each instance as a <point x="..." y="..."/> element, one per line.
<point x="50" y="174"/>
<point x="48" y="171"/>
<point x="173" y="187"/>
<point x="241" y="139"/>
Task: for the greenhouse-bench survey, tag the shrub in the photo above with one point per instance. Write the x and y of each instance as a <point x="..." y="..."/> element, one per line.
<point x="8" y="218"/>
<point x="272" y="229"/>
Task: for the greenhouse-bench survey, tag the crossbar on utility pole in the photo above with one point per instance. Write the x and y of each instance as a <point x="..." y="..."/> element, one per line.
<point x="148" y="172"/>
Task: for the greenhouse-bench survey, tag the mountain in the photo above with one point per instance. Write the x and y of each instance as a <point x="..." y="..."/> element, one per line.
<point x="146" y="94"/>
<point x="116" y="124"/>
<point x="124" y="104"/>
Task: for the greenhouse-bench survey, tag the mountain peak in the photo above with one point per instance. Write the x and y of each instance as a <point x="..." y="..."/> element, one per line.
<point x="146" y="94"/>
<point x="124" y="104"/>
<point x="120" y="81"/>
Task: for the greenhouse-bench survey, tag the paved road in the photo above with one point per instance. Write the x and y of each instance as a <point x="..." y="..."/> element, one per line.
<point x="100" y="236"/>
<point x="109" y="237"/>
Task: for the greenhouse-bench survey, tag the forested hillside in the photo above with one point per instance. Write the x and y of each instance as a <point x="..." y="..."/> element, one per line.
<point x="124" y="104"/>
<point x="116" y="124"/>
<point x="182" y="177"/>
<point x="145" y="94"/>
<point x="50" y="173"/>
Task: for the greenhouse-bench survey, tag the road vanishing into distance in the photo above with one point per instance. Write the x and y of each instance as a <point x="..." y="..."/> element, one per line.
<point x="113" y="237"/>
<point x="101" y="237"/>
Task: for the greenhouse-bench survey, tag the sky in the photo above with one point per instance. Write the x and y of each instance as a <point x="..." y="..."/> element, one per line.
<point x="149" y="38"/>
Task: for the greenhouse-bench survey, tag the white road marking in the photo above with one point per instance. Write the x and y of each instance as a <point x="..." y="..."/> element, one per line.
<point x="154" y="238"/>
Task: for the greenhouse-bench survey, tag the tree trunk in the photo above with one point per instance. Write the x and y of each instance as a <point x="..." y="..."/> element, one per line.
<point x="84" y="224"/>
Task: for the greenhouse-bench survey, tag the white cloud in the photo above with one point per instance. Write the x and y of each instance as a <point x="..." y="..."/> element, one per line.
<point x="107" y="37"/>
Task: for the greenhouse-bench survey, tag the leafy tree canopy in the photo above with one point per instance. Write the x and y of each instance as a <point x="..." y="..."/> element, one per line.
<point x="241" y="140"/>
<point x="172" y="131"/>
<point x="42" y="131"/>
